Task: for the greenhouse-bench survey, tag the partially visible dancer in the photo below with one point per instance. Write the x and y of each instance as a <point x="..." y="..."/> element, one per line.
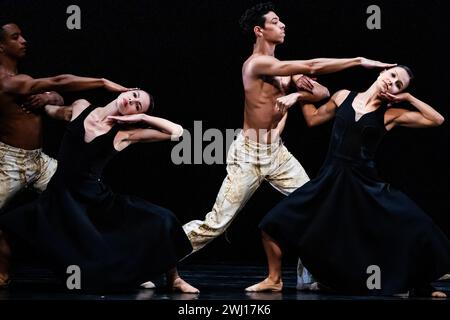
<point x="117" y="241"/>
<point x="23" y="101"/>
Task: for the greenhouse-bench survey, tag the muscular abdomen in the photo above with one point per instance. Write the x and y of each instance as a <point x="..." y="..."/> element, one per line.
<point x="21" y="130"/>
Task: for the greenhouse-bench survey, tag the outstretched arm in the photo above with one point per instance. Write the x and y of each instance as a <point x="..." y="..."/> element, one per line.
<point x="26" y="85"/>
<point x="268" y="65"/>
<point x="425" y="116"/>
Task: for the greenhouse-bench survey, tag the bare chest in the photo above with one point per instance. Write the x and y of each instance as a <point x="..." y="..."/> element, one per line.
<point x="94" y="128"/>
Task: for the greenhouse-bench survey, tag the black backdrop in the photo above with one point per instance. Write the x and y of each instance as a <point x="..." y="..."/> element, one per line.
<point x="189" y="56"/>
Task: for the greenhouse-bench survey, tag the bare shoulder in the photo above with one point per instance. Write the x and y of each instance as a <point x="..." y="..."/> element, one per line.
<point x="340" y="96"/>
<point x="8" y="81"/>
<point x="257" y="60"/>
<point x="78" y="107"/>
<point x="21" y="76"/>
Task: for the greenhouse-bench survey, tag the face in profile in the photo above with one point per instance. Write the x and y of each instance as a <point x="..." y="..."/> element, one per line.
<point x="133" y="102"/>
<point x="13" y="44"/>
<point x="393" y="80"/>
<point x="274" y="29"/>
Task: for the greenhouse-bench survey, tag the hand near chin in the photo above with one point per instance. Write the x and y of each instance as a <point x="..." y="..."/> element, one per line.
<point x="394" y="98"/>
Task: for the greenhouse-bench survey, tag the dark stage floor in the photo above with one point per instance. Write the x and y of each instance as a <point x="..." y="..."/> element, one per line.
<point x="216" y="282"/>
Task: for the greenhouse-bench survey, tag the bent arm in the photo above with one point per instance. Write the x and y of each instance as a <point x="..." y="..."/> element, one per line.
<point x="159" y="128"/>
<point x="69" y="112"/>
<point x="316" y="94"/>
<point x="59" y="112"/>
<point x="145" y="136"/>
<point x="425" y="116"/>
<point x="316" y="116"/>
<point x="54" y="98"/>
<point x="53" y="105"/>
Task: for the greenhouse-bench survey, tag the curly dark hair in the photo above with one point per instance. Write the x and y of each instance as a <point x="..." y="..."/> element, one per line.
<point x="255" y="17"/>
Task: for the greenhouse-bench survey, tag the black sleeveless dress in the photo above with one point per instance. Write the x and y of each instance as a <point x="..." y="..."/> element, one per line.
<point x="117" y="241"/>
<point x="346" y="223"/>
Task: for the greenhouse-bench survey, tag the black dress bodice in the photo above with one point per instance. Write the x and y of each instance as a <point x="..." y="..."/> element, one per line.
<point x="356" y="141"/>
<point x="79" y="160"/>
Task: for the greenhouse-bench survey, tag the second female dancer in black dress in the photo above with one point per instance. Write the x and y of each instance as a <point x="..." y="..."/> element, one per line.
<point x="117" y="241"/>
<point x="346" y="223"/>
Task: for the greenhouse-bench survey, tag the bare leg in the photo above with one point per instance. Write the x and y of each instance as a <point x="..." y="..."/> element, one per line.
<point x="175" y="282"/>
<point x="5" y="254"/>
<point x="273" y="252"/>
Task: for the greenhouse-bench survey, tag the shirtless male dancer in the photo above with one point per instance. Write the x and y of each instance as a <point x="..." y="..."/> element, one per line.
<point x="258" y="153"/>
<point x="22" y="99"/>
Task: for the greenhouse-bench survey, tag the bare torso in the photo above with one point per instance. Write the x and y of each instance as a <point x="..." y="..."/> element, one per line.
<point x="17" y="127"/>
<point x="262" y="121"/>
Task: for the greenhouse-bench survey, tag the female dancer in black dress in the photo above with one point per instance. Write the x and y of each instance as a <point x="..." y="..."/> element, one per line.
<point x="346" y="223"/>
<point x="117" y="241"/>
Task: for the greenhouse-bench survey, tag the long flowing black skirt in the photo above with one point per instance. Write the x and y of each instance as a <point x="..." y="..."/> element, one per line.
<point x="346" y="225"/>
<point x="117" y="241"/>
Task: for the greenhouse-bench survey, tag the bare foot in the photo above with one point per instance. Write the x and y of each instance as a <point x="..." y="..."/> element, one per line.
<point x="438" y="294"/>
<point x="180" y="285"/>
<point x="266" y="285"/>
<point x="148" y="285"/>
<point x="4" y="280"/>
<point x="445" y="277"/>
